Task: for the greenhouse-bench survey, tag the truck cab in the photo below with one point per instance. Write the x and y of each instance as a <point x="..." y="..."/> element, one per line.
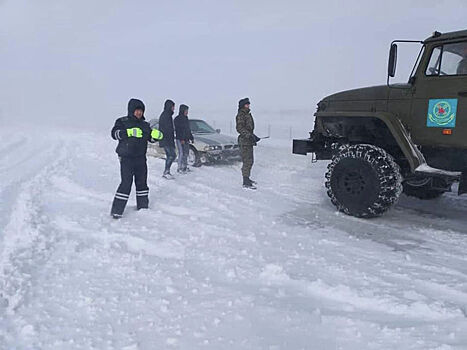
<point x="421" y="125"/>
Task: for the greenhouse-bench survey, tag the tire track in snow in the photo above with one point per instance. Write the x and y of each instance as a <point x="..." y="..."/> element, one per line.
<point x="229" y="257"/>
<point x="24" y="159"/>
<point x="343" y="294"/>
<point x="27" y="237"/>
<point x="133" y="243"/>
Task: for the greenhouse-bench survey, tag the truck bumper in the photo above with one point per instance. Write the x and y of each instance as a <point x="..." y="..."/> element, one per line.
<point x="303" y="147"/>
<point x="311" y="145"/>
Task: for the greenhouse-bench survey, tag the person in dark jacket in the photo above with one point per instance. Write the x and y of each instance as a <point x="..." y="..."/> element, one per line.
<point x="133" y="134"/>
<point x="183" y="138"/>
<point x="246" y="140"/>
<point x="166" y="126"/>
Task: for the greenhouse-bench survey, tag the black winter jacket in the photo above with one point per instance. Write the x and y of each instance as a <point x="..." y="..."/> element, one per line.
<point x="131" y="147"/>
<point x="182" y="125"/>
<point x="166" y="125"/>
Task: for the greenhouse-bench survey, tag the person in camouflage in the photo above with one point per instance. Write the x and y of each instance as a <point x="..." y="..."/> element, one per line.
<point x="246" y="140"/>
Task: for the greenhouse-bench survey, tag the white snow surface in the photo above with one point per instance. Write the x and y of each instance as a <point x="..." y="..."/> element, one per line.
<point x="211" y="265"/>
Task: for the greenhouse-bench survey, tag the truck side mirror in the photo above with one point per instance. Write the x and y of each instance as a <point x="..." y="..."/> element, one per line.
<point x="218" y="131"/>
<point x="392" y="61"/>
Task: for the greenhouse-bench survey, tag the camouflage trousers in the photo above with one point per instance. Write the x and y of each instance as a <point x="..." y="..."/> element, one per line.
<point x="247" y="159"/>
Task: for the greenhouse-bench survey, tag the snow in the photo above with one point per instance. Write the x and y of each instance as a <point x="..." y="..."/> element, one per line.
<point x="211" y="265"/>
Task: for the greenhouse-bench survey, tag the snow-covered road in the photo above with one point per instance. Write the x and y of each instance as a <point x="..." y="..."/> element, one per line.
<point x="214" y="266"/>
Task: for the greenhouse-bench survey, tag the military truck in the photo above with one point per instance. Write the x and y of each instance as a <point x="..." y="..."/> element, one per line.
<point x="395" y="138"/>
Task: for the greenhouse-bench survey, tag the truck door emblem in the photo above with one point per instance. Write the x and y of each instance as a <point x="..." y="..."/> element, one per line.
<point x="442" y="113"/>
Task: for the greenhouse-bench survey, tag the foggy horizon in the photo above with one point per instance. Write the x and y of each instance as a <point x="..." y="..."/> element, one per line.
<point x="79" y="63"/>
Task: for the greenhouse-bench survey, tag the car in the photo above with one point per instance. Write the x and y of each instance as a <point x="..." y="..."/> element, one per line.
<point x="210" y="146"/>
<point x="394" y="138"/>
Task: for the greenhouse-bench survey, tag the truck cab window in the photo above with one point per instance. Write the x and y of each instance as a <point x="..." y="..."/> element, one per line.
<point x="449" y="59"/>
<point x="433" y="65"/>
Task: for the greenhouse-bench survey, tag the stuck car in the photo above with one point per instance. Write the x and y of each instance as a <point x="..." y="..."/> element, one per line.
<point x="210" y="146"/>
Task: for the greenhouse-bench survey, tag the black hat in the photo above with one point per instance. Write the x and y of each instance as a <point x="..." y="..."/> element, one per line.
<point x="182" y="109"/>
<point x="168" y="104"/>
<point x="133" y="105"/>
<point x="243" y="102"/>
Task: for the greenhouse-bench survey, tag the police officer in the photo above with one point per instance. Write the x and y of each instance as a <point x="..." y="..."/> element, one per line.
<point x="133" y="134"/>
<point x="246" y="140"/>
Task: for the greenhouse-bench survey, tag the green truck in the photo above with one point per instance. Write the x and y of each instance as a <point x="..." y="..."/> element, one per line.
<point x="385" y="140"/>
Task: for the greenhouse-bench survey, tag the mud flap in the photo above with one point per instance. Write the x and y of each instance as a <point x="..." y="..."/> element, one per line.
<point x="463" y="183"/>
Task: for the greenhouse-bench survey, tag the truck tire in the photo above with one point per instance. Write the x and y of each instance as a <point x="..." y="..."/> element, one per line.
<point x="421" y="189"/>
<point x="363" y="180"/>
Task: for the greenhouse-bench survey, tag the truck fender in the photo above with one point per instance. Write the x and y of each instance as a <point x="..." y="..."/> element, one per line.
<point x="414" y="157"/>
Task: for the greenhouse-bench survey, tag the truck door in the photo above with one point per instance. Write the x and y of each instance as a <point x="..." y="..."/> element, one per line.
<point x="439" y="108"/>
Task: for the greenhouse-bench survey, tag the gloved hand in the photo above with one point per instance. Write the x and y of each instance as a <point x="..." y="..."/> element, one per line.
<point x="157" y="134"/>
<point x="256" y="138"/>
<point x="134" y="132"/>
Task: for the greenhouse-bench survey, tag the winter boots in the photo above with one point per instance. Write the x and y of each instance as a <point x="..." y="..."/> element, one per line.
<point x="184" y="171"/>
<point x="248" y="183"/>
<point x="167" y="175"/>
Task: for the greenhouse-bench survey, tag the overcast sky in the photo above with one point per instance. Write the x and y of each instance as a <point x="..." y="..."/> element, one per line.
<point x="80" y="61"/>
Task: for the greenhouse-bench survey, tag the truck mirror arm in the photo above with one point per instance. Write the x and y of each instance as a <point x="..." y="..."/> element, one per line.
<point x="392" y="62"/>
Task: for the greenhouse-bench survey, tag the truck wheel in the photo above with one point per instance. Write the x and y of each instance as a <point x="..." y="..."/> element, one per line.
<point x="421" y="189"/>
<point x="363" y="180"/>
<point x="193" y="157"/>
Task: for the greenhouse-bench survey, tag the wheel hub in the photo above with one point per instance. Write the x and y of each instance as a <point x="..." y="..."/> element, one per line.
<point x="353" y="183"/>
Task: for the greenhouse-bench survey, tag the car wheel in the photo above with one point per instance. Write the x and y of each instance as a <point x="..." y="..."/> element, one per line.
<point x="422" y="189"/>
<point x="193" y="157"/>
<point x="363" y="180"/>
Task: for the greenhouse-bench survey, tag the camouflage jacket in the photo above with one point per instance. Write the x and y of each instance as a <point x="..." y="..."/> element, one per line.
<point x="245" y="128"/>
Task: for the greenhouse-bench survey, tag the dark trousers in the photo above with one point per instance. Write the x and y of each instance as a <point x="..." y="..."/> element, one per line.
<point x="131" y="168"/>
<point x="170" y="156"/>
<point x="246" y="152"/>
